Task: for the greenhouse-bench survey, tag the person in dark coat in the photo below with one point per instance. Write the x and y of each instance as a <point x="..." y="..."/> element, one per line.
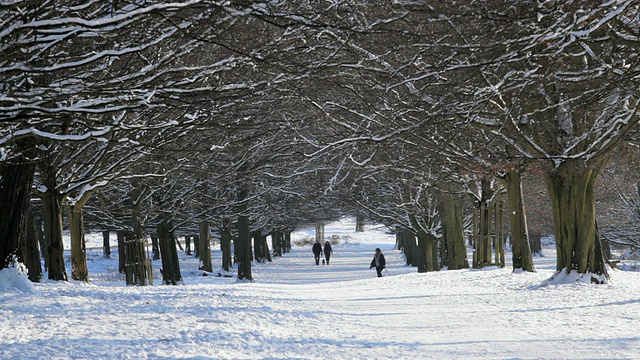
<point x="327" y="251"/>
<point x="378" y="262"/>
<point x="317" y="250"/>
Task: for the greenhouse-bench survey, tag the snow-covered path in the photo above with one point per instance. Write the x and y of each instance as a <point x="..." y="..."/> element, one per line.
<point x="297" y="310"/>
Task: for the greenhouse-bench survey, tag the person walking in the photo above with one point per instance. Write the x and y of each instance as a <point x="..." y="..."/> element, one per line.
<point x="327" y="251"/>
<point x="378" y="262"/>
<point x="317" y="250"/>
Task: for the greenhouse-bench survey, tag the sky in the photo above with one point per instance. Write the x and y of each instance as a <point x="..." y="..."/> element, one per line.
<point x="298" y="310"/>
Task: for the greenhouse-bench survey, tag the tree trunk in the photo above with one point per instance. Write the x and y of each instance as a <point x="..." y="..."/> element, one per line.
<point x="432" y="253"/>
<point x="475" y="235"/>
<point x="428" y="254"/>
<point x="278" y="240"/>
<point x="482" y="226"/>
<point x="359" y="223"/>
<point x="274" y="243"/>
<point x="451" y="217"/>
<point x="320" y="233"/>
<point x="572" y="190"/>
<point x="258" y="249"/>
<point x="180" y="245"/>
<point x="196" y="245"/>
<point x="79" y="269"/>
<point x="205" y="248"/>
<point x="225" y="246"/>
<point x="32" y="259"/>
<point x="486" y="231"/>
<point x="121" y="250"/>
<point x="265" y="246"/>
<point x="106" y="246"/>
<point x="173" y="248"/>
<point x="408" y="244"/>
<point x="535" y="240"/>
<point x="520" y="247"/>
<point x="169" y="255"/>
<point x="236" y="249"/>
<point x="287" y="241"/>
<point x="422" y="252"/>
<point x="137" y="265"/>
<point x="155" y="247"/>
<point x="187" y="244"/>
<point x="244" y="249"/>
<point x="499" y="233"/>
<point x="52" y="201"/>
<point x="606" y="249"/>
<point x="16" y="179"/>
<point x="39" y="226"/>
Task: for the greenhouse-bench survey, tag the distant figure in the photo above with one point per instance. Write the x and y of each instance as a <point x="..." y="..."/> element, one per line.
<point x="378" y="262"/>
<point x="317" y="250"/>
<point x="327" y="251"/>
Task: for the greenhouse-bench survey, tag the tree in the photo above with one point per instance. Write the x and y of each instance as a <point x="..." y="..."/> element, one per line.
<point x="451" y="210"/>
<point x="520" y="247"/>
<point x="16" y="177"/>
<point x="73" y="64"/>
<point x="575" y="112"/>
<point x="555" y="84"/>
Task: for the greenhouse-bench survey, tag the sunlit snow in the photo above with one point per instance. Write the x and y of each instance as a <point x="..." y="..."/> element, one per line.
<point x="297" y="310"/>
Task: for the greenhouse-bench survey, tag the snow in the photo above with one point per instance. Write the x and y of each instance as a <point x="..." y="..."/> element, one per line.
<point x="297" y="310"/>
<point x="15" y="278"/>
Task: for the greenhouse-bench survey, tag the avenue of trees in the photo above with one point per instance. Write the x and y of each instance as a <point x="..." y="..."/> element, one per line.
<point x="455" y="123"/>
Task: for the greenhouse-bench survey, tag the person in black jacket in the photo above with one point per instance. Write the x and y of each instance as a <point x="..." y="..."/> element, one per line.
<point x="317" y="250"/>
<point x="327" y="251"/>
<point x="378" y="262"/>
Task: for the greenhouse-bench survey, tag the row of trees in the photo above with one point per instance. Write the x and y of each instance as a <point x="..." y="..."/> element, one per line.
<point x="262" y="117"/>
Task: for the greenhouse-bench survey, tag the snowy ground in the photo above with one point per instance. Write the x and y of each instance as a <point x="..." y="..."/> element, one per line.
<point x="297" y="310"/>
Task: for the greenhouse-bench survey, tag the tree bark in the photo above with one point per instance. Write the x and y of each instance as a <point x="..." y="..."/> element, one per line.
<point x="205" y="248"/>
<point x="106" y="246"/>
<point x="79" y="269"/>
<point x="407" y="243"/>
<point x="155" y="247"/>
<point x="32" y="259"/>
<point x="359" y="223"/>
<point x="422" y="252"/>
<point x="278" y="242"/>
<point x="320" y="233"/>
<point x="535" y="240"/>
<point x="244" y="249"/>
<point x="571" y="186"/>
<point x="16" y="179"/>
<point x="196" y="245"/>
<point x="225" y="246"/>
<point x="428" y="254"/>
<point x="482" y="225"/>
<point x="236" y="249"/>
<point x="52" y="201"/>
<point x="121" y="251"/>
<point x="265" y="246"/>
<point x="499" y="233"/>
<point x="258" y="249"/>
<point x="39" y="226"/>
<point x="173" y="248"/>
<point x="520" y="246"/>
<point x="187" y="244"/>
<point x="287" y="241"/>
<point x="451" y="217"/>
<point x="243" y="242"/>
<point x="169" y="255"/>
